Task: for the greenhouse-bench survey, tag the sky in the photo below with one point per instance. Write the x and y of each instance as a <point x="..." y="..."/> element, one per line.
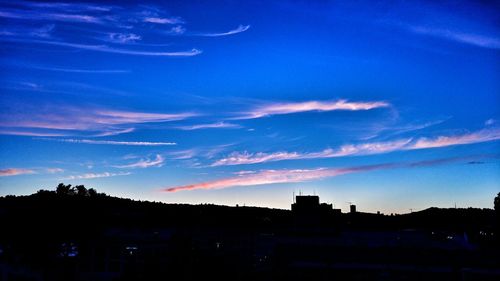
<point x="391" y="105"/>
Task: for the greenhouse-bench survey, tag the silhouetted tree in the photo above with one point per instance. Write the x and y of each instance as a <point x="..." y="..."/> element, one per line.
<point x="92" y="192"/>
<point x="43" y="192"/>
<point x="81" y="190"/>
<point x="63" y="189"/>
<point x="497" y="203"/>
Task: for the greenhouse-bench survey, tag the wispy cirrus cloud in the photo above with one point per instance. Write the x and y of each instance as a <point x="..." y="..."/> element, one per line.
<point x="297" y="107"/>
<point x="69" y="7"/>
<point x="376" y="129"/>
<point x="478" y="40"/>
<point x="44" y="31"/>
<point x="69" y="120"/>
<point x="490" y="122"/>
<point x="54" y="170"/>
<point x="39" y="132"/>
<point x="176" y="30"/>
<point x="159" y="20"/>
<point x="239" y="158"/>
<point x="123" y="38"/>
<point x="123" y="117"/>
<point x="109" y="142"/>
<point x="217" y="125"/>
<point x="153" y="14"/>
<point x="48" y="16"/>
<point x="183" y="154"/>
<point x="96" y="175"/>
<point x="145" y="163"/>
<point x="106" y="49"/>
<point x="74" y="70"/>
<point x="239" y="29"/>
<point x="15" y="172"/>
<point x="262" y="177"/>
<point x="484" y="135"/>
<point x="113" y="132"/>
<point x="122" y="24"/>
<point x="32" y="133"/>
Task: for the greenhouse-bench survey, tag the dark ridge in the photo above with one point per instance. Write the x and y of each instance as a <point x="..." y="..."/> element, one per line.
<point x="78" y="234"/>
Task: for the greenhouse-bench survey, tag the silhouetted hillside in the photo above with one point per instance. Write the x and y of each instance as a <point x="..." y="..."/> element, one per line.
<point x="78" y="234"/>
<point x="72" y="213"/>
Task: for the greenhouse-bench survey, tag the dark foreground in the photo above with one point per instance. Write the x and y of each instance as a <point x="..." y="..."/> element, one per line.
<point x="49" y="236"/>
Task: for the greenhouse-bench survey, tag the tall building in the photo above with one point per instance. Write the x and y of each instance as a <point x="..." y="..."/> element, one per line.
<point x="309" y="204"/>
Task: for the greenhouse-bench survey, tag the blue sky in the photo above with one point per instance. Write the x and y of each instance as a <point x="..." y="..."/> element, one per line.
<point x="391" y="105"/>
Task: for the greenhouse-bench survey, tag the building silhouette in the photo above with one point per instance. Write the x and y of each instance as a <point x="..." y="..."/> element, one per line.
<point x="309" y="204"/>
<point x="352" y="208"/>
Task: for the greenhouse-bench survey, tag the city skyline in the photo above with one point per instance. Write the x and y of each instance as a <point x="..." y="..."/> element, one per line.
<point x="388" y="105"/>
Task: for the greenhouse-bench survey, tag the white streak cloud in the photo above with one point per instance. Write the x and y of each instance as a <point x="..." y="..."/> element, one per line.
<point x="30" y="133"/>
<point x="37" y="15"/>
<point x="217" y="125"/>
<point x="88" y="119"/>
<point x="76" y="70"/>
<point x="96" y="175"/>
<point x="239" y="29"/>
<point x="457" y="36"/>
<point x="145" y="163"/>
<point x="237" y="158"/>
<point x="109" y="142"/>
<point x="107" y="49"/>
<point x="484" y="135"/>
<point x="177" y="30"/>
<point x="159" y="20"/>
<point x="123" y="38"/>
<point x="54" y="170"/>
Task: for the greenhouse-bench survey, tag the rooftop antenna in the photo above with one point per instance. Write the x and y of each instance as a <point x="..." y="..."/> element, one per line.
<point x="350" y="203"/>
<point x="314" y="191"/>
<point x="293" y="196"/>
<point x="411" y="210"/>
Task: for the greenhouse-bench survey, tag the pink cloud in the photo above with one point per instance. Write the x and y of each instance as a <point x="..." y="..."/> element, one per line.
<point x="15" y="172"/>
<point x="467" y="138"/>
<point x="287" y="108"/>
<point x="262" y="177"/>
